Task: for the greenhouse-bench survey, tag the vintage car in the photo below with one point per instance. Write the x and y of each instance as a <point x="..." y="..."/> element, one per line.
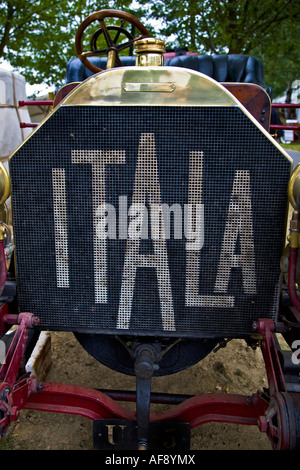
<point x="156" y="218"/>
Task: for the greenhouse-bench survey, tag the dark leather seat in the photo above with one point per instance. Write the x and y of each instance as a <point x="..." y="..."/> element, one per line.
<point x="223" y="68"/>
<point x="77" y="72"/>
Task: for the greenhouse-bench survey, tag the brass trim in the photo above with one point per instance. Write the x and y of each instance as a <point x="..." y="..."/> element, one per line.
<point x="5" y="187"/>
<point x="4" y="215"/>
<point x="150" y="52"/>
<point x="149" y="87"/>
<point x="111" y="58"/>
<point x="294" y="230"/>
<point x="149" y="45"/>
<point x="291" y="187"/>
<point x="191" y="88"/>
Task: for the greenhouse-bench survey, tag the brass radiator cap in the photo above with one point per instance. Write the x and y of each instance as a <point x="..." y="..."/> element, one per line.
<point x="150" y="52"/>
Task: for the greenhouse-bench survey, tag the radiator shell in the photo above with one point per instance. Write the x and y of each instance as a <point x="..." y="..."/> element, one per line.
<point x="85" y="155"/>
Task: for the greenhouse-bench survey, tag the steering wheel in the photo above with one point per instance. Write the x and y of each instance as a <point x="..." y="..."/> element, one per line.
<point x="113" y="48"/>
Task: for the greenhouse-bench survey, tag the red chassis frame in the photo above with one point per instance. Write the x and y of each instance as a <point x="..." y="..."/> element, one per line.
<point x="272" y="414"/>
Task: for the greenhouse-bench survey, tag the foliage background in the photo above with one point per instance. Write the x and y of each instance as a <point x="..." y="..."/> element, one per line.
<point x="37" y="36"/>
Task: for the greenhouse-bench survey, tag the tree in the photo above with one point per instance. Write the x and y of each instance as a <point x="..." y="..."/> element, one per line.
<point x="268" y="29"/>
<point x="233" y="26"/>
<point x="37" y="36"/>
<point x="281" y="59"/>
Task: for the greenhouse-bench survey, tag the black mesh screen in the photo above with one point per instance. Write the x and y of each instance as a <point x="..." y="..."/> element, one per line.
<point x="149" y="220"/>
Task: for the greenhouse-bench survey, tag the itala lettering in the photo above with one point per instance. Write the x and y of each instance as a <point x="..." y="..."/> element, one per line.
<point x="148" y="217"/>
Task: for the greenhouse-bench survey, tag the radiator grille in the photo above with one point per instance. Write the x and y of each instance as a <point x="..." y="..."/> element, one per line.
<point x="209" y="269"/>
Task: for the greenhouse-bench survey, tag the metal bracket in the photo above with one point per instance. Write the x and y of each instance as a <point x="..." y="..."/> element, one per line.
<point x="10" y="369"/>
<point x="146" y="357"/>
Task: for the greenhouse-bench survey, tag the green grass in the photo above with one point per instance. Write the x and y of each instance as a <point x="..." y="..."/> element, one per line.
<point x="293" y="146"/>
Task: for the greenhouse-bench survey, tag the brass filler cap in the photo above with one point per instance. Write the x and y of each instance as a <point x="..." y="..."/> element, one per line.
<point x="150" y="52"/>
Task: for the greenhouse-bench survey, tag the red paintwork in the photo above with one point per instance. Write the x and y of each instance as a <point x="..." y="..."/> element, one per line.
<point x="28" y="393"/>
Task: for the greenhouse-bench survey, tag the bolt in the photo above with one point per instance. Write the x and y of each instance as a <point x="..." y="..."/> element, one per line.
<point x="143" y="445"/>
<point x="35" y="321"/>
<point x="144" y="364"/>
<point x="14" y="413"/>
<point x="262" y="424"/>
<point x="28" y="319"/>
<point x="249" y="400"/>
